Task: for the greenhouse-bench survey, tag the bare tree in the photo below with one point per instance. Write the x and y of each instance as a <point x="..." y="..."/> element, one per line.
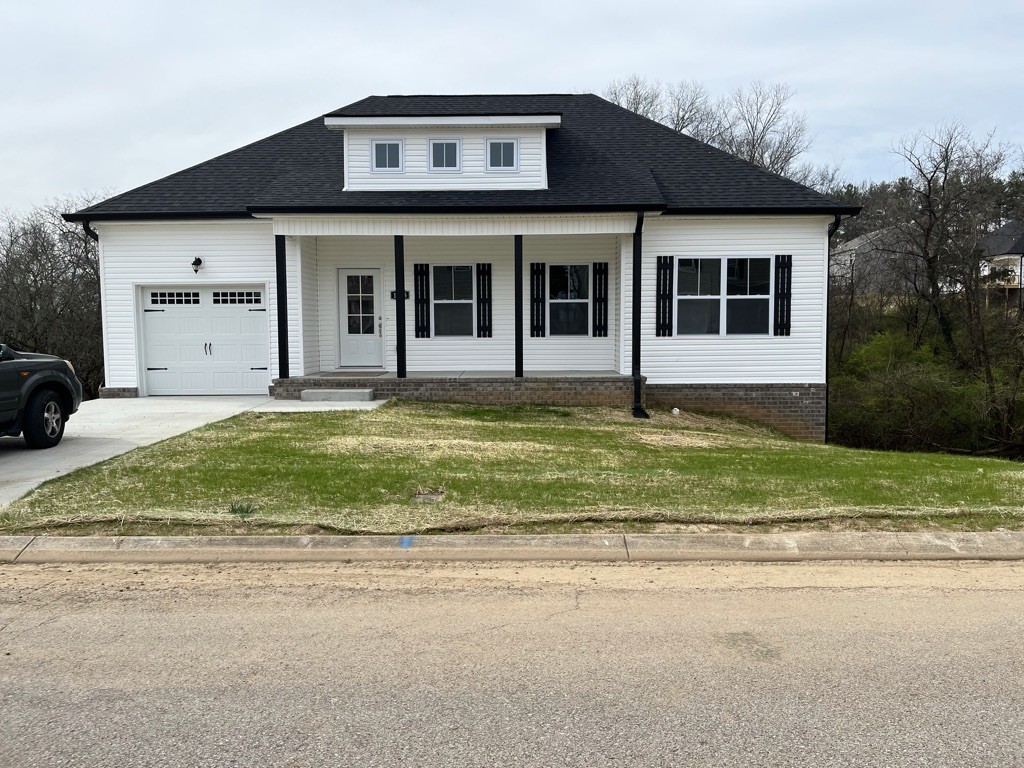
<point x="49" y="273"/>
<point x="689" y="109"/>
<point x="645" y="97"/>
<point x="756" y="123"/>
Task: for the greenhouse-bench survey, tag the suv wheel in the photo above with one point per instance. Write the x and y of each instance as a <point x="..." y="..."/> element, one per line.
<point x="43" y="425"/>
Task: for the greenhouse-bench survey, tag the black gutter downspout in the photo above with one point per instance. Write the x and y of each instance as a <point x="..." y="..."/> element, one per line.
<point x="400" y="305"/>
<point x="638" y="248"/>
<point x="828" y="278"/>
<point x="518" y="282"/>
<point x="91" y="233"/>
<point x="282" y="307"/>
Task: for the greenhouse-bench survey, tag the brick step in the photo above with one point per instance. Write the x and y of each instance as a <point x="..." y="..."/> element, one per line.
<point x="336" y="395"/>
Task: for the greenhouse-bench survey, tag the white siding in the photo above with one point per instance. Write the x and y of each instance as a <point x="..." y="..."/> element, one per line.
<point x="532" y="173"/>
<point x="496" y="353"/>
<point x="133" y="255"/>
<point x="455" y="225"/>
<point x="456" y="354"/>
<point x="352" y="252"/>
<point x="308" y="279"/>
<point x="570" y="353"/>
<point x="799" y="357"/>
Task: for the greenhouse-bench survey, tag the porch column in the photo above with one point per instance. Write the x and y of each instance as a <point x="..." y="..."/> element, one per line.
<point x="638" y="250"/>
<point x="282" y="306"/>
<point x="400" y="304"/>
<point x="518" y="267"/>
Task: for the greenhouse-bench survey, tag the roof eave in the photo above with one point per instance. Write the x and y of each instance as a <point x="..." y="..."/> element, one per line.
<point x="782" y="210"/>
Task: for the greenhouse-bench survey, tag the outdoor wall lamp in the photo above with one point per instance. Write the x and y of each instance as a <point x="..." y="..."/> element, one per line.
<point x="196" y="264"/>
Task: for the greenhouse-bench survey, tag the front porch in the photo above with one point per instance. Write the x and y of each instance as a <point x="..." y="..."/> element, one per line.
<point x="473" y="386"/>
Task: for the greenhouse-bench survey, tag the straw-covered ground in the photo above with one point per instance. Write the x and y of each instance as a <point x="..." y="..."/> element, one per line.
<point x="414" y="467"/>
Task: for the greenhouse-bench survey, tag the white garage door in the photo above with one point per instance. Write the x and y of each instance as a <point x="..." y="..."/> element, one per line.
<point x="205" y="340"/>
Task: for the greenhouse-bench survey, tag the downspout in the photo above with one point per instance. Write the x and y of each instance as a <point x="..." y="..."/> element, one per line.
<point x="638" y="248"/>
<point x="832" y="228"/>
<point x="91" y="233"/>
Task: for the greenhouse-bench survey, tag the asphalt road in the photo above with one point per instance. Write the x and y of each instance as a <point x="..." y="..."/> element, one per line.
<point x="512" y="665"/>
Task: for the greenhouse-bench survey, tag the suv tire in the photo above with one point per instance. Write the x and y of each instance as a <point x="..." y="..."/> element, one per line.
<point x="43" y="424"/>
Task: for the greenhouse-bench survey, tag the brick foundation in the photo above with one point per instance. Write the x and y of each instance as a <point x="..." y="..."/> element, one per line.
<point x="107" y="392"/>
<point x="598" y="390"/>
<point x="797" y="410"/>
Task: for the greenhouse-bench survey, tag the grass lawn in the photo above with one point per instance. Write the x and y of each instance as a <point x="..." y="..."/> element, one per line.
<point x="415" y="467"/>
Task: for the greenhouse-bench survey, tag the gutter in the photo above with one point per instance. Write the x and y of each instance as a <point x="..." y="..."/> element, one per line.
<point x="90" y="232"/>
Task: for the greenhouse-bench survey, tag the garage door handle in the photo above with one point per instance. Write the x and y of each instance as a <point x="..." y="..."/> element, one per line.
<point x="206" y="349"/>
<point x="154" y="310"/>
<point x="251" y="310"/>
<point x="156" y="369"/>
<point x="259" y="369"/>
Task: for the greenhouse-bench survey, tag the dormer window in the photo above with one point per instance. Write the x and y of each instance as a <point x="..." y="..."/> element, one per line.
<point x="502" y="155"/>
<point x="446" y="155"/>
<point x="387" y="156"/>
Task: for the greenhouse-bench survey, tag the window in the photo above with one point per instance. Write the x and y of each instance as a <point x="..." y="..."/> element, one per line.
<point x="453" y="301"/>
<point x="502" y="155"/>
<point x="238" y="297"/>
<point x="569" y="299"/>
<point x="386" y="156"/>
<point x="747" y="301"/>
<point x="445" y="155"/>
<point x="174" y="297"/>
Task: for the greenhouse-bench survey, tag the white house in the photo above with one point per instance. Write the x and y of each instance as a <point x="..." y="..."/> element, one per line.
<point x="530" y="248"/>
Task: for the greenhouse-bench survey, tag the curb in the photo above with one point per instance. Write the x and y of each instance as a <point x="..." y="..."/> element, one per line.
<point x="684" y="547"/>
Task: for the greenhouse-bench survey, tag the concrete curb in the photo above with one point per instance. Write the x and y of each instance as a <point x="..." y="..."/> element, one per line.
<point x="687" y="547"/>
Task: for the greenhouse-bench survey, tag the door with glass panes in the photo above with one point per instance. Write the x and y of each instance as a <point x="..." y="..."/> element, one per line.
<point x="361" y="331"/>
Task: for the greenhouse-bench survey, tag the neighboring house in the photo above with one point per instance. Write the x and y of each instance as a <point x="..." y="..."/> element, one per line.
<point x="531" y="248"/>
<point x="1004" y="252"/>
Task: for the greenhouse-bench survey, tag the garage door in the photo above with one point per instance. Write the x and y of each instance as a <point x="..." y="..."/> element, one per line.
<point x="205" y="340"/>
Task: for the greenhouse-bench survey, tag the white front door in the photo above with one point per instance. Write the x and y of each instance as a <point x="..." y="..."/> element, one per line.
<point x="205" y="340"/>
<point x="361" y="316"/>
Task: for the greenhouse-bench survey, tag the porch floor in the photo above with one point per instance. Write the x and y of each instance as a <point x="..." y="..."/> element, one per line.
<point x="510" y="374"/>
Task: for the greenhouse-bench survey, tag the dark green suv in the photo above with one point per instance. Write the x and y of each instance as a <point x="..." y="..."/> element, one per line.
<point x="38" y="393"/>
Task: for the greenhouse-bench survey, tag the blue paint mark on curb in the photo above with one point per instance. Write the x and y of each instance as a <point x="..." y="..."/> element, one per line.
<point x="406" y="542"/>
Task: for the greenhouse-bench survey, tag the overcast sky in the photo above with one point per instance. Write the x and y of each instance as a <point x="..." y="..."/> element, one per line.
<point x="104" y="96"/>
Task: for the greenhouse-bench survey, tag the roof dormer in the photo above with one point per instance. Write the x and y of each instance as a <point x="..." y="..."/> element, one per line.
<point x="438" y="152"/>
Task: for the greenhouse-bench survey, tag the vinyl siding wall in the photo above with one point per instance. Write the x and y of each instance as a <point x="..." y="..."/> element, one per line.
<point x="309" y="283"/>
<point x="799" y="357"/>
<point x="532" y="173"/>
<point x="496" y="353"/>
<point x="132" y="255"/>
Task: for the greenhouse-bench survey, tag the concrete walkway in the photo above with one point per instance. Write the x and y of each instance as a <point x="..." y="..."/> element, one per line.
<point x="684" y="547"/>
<point x="105" y="428"/>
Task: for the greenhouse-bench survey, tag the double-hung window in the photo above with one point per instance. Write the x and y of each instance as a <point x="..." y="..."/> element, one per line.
<point x="445" y="155"/>
<point x="502" y="155"/>
<point x="569" y="299"/>
<point x="743" y="308"/>
<point x="386" y="156"/>
<point x="453" y="300"/>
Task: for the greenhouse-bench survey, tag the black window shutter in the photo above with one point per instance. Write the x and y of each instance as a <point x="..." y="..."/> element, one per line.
<point x="663" y="303"/>
<point x="783" y="293"/>
<point x="421" y="299"/>
<point x="537" y="293"/>
<point x="483" y="301"/>
<point x="599" y="299"/>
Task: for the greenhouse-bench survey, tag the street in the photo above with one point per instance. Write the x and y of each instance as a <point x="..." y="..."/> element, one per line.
<point x="802" y="664"/>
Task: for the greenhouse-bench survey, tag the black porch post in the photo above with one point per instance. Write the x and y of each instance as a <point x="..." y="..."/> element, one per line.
<point x="282" y="306"/>
<point x="638" y="250"/>
<point x="400" y="304"/>
<point x="518" y="266"/>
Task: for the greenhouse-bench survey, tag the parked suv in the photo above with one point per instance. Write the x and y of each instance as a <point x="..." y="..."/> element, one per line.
<point x="38" y="393"/>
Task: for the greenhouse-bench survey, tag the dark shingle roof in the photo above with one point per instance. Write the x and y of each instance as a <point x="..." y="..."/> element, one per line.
<point x="602" y="157"/>
<point x="1008" y="239"/>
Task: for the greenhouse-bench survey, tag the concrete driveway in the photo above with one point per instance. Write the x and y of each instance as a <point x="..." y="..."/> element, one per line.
<point x="105" y="428"/>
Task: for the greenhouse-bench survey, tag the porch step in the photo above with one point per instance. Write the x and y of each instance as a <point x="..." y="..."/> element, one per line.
<point x="336" y="395"/>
